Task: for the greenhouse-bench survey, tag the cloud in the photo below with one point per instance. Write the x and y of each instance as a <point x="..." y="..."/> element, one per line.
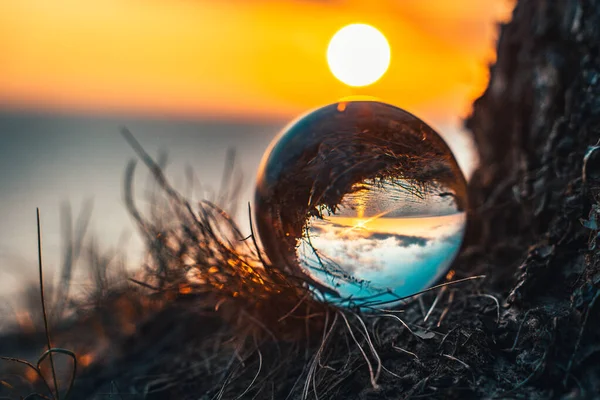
<point x="338" y="232"/>
<point x="403" y="240"/>
<point x="364" y="262"/>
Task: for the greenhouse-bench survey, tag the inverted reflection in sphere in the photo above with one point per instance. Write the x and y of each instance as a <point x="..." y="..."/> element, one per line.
<point x="363" y="200"/>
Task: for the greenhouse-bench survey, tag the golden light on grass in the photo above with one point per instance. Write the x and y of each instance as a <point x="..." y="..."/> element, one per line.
<point x="31" y="375"/>
<point x="85" y="359"/>
<point x="358" y="55"/>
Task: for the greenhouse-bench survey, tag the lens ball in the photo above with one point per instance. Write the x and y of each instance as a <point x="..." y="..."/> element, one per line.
<point x="362" y="200"/>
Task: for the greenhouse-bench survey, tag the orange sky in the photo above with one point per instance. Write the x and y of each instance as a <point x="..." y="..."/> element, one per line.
<point x="247" y="59"/>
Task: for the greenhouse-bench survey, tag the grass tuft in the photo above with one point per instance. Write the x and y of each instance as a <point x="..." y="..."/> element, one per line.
<point x="207" y="316"/>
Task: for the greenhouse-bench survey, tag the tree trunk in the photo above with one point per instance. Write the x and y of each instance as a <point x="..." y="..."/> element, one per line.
<point x="535" y="195"/>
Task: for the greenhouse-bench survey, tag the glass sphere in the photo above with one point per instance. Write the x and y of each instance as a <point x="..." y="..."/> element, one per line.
<point x="363" y="200"/>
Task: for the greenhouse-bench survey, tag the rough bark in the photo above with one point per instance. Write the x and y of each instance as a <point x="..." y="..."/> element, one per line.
<point x="535" y="195"/>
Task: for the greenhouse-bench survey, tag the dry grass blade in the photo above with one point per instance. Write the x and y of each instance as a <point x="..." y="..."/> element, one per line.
<point x="66" y="352"/>
<point x="448" y="356"/>
<point x="36" y="396"/>
<point x="54" y="395"/>
<point x="434" y="304"/>
<point x="401" y="321"/>
<point x="45" y="315"/>
<point x="253" y="236"/>
<point x="260" y="362"/>
<point x="372" y="374"/>
<point x="446" y="309"/>
<point x="310" y="377"/>
<point x="495" y="299"/>
<point x="31" y="367"/>
<point x="406" y="352"/>
<point x="73" y="239"/>
<point x="202" y="275"/>
<point x="373" y="351"/>
<point x="400" y="299"/>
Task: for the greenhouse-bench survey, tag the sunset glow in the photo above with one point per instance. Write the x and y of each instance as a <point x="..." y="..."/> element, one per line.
<point x="257" y="60"/>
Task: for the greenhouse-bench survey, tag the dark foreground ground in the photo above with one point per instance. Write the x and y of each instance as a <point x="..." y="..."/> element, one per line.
<point x="528" y="330"/>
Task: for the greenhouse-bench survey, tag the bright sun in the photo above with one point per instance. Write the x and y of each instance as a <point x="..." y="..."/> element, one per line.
<point x="358" y="55"/>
